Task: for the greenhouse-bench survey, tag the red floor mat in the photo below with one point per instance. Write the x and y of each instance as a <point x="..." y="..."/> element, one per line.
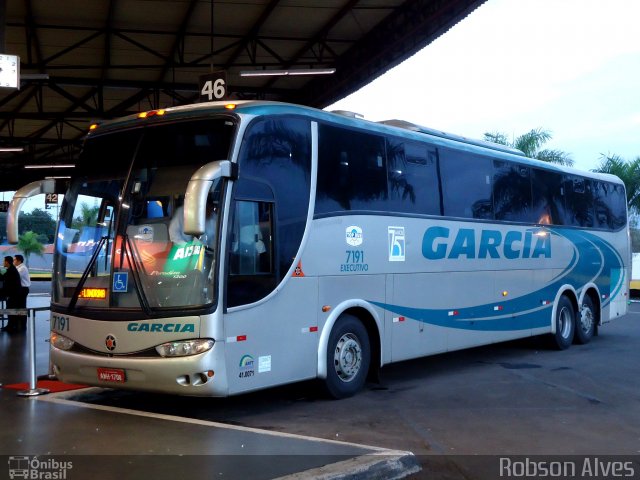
<point x="52" y="385"/>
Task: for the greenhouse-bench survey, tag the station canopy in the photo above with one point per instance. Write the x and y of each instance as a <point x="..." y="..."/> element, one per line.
<point x="82" y="62"/>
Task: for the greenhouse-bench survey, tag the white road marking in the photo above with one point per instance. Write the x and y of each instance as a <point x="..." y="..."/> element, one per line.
<point x="62" y="398"/>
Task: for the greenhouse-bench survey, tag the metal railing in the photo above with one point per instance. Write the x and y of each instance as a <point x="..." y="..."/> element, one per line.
<point x="30" y="313"/>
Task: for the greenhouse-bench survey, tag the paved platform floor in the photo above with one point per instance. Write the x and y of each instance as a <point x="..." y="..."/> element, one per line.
<point x="55" y="433"/>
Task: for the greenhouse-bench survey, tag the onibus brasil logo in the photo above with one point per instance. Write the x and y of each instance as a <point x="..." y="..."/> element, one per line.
<point x="38" y="469"/>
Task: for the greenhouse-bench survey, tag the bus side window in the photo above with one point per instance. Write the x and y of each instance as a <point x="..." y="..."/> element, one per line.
<point x="412" y="177"/>
<point x="352" y="171"/>
<point x="609" y="205"/>
<point x="251" y="259"/>
<point x="466" y="184"/>
<point x="578" y="194"/>
<point x="548" y="202"/>
<point x="512" y="196"/>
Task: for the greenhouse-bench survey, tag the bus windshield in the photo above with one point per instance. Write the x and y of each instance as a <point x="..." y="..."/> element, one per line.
<point x="120" y="241"/>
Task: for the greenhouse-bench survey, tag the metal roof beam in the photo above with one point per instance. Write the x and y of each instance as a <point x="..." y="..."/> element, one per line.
<point x="252" y="34"/>
<point x="79" y="101"/>
<point x="320" y="35"/>
<point x="413" y="25"/>
<point x="178" y="44"/>
<point x="32" y="37"/>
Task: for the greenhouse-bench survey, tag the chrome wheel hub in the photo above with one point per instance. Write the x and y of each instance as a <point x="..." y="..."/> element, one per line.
<point x="347" y="358"/>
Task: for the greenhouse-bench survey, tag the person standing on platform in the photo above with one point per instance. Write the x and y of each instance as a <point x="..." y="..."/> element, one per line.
<point x="25" y="283"/>
<point x="11" y="289"/>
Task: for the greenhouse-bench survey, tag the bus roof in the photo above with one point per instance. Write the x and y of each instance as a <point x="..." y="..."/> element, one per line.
<point x="398" y="127"/>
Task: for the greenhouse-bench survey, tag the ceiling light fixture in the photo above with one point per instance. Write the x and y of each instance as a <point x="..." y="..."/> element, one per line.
<point x="11" y="149"/>
<point x="34" y="76"/>
<point x="281" y="73"/>
<point x="50" y="166"/>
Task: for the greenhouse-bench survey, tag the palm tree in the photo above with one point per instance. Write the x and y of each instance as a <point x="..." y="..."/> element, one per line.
<point x="28" y="243"/>
<point x="531" y="143"/>
<point x="628" y="172"/>
<point x="88" y="216"/>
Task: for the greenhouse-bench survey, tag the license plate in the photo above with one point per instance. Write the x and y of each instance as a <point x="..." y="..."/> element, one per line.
<point x="115" y="375"/>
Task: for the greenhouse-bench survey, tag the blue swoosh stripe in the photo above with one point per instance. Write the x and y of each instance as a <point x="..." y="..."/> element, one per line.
<point x="592" y="258"/>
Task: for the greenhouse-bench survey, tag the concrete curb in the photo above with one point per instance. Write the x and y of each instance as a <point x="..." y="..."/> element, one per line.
<point x="384" y="465"/>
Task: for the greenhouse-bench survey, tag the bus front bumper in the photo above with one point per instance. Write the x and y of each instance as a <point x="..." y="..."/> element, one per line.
<point x="196" y="375"/>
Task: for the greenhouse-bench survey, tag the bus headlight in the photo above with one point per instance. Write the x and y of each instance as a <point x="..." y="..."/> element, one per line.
<point x="184" y="348"/>
<point x="60" y="341"/>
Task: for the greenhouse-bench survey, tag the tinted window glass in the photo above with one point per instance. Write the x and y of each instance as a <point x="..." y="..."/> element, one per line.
<point x="512" y="192"/>
<point x="548" y="202"/>
<point x="352" y="172"/>
<point x="610" y="205"/>
<point x="578" y="195"/>
<point x="250" y="253"/>
<point x="277" y="151"/>
<point x="413" y="178"/>
<point x="466" y="184"/>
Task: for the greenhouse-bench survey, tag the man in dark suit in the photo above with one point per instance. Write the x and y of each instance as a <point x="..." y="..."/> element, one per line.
<point x="12" y="290"/>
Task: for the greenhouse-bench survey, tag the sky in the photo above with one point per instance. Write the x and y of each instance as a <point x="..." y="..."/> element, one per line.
<point x="568" y="66"/>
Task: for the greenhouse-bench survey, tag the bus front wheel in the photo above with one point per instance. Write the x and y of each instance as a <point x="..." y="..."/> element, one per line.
<point x="565" y="324"/>
<point x="348" y="357"/>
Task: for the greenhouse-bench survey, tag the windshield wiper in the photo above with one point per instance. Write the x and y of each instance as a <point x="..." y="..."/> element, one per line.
<point x="144" y="303"/>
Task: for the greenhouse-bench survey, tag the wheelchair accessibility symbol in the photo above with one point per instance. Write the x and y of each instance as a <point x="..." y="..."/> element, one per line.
<point x="120" y="282"/>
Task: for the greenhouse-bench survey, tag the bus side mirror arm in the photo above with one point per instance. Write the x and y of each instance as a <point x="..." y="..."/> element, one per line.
<point x="195" y="199"/>
<point x="21" y="196"/>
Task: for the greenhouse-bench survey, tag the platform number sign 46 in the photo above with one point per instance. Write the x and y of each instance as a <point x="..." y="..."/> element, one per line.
<point x="213" y="86"/>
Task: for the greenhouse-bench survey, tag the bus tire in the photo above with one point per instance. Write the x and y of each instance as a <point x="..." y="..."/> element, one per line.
<point x="585" y="322"/>
<point x="348" y="357"/>
<point x="565" y="324"/>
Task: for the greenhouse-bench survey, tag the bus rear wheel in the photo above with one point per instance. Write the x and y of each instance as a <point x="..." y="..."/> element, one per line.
<point x="565" y="324"/>
<point x="348" y="357"/>
<point x="585" y="321"/>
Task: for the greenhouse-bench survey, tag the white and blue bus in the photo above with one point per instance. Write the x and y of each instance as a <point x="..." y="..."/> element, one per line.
<point x="221" y="248"/>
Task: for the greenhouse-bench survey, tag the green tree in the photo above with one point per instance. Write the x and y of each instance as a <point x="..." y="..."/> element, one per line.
<point x="531" y="144"/>
<point x="38" y="221"/>
<point x="88" y="216"/>
<point x="28" y="243"/>
<point x="629" y="172"/>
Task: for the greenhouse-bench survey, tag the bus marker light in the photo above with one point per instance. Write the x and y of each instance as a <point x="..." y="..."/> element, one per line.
<point x="210" y="374"/>
<point x="398" y="319"/>
<point x="309" y="329"/>
<point x="239" y="338"/>
<point x="604" y="296"/>
<point x="230" y="106"/>
<point x="505" y="293"/>
<point x="326" y="308"/>
<point x="152" y="113"/>
<point x="453" y="313"/>
<point x="498" y="308"/>
<point x="545" y="302"/>
<point x="93" y="126"/>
